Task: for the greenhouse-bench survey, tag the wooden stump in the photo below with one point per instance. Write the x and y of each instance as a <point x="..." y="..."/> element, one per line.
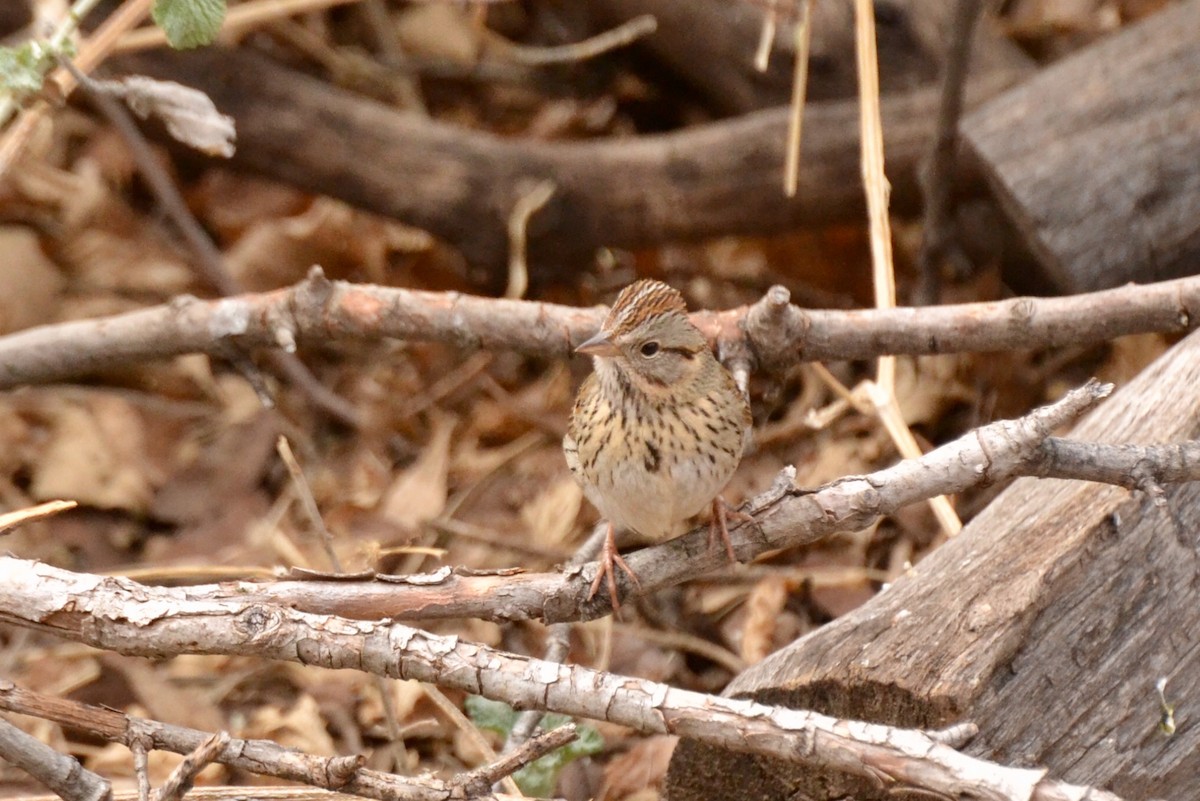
<point x="1095" y="159"/>
<point x="1046" y="622"/>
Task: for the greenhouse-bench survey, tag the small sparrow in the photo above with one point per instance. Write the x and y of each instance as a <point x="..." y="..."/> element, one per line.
<point x="658" y="429"/>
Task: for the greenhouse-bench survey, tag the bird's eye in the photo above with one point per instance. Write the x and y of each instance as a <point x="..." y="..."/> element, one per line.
<point x="649" y="348"/>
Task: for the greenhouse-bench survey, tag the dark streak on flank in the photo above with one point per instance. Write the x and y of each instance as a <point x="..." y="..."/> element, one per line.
<point x="653" y="458"/>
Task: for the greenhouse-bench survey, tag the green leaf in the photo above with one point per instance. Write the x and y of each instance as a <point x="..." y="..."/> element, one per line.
<point x="23" y="68"/>
<point x="189" y="23"/>
<point x="538" y="777"/>
<point x="494" y="716"/>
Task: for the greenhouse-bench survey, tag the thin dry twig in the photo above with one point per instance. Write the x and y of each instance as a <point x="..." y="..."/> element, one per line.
<point x="141" y="767"/>
<point x="64" y="775"/>
<point x="766" y="39"/>
<point x="803" y="35"/>
<point x="184" y="776"/>
<point x="518" y="224"/>
<point x="209" y="262"/>
<point x="92" y="52"/>
<point x="477" y="782"/>
<point x="39" y="512"/>
<point x="621" y="36"/>
<point x="881" y="393"/>
<point x="263" y="757"/>
<point x="468" y="729"/>
<point x="307" y="501"/>
<point x="937" y="177"/>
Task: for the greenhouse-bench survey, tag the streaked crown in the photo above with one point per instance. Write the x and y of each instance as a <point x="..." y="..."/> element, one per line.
<point x="640" y="302"/>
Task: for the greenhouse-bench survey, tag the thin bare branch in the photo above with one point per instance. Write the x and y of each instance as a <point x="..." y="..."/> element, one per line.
<point x="59" y="772"/>
<point x="264" y="757"/>
<point x="185" y="773"/>
<point x="478" y="781"/>
<point x="777" y="333"/>
<point x="937" y="175"/>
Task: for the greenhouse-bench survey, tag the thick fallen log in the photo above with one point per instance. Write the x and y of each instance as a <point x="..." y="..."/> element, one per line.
<point x="1047" y="623"/>
<point x="712" y="45"/>
<point x="1094" y="159"/>
<point x="715" y="179"/>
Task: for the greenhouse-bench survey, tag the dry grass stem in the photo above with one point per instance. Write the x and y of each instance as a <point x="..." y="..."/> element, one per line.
<point x="624" y="34"/>
<point x="518" y="222"/>
<point x="803" y="34"/>
<point x="42" y="510"/>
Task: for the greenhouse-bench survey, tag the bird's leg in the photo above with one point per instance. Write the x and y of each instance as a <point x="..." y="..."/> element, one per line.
<point x="609" y="559"/>
<point x="718" y="528"/>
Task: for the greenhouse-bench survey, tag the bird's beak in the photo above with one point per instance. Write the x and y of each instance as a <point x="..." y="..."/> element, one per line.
<point x="599" y="345"/>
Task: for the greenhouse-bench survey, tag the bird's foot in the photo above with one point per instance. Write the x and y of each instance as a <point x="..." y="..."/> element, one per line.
<point x="718" y="529"/>
<point x="610" y="559"/>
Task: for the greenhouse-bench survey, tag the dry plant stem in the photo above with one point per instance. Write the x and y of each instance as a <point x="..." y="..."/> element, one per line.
<point x="287" y="793"/>
<point x="518" y="224"/>
<point x="766" y="39"/>
<point x="786" y="517"/>
<point x="181" y="779"/>
<point x="240" y="19"/>
<point x="115" y="615"/>
<point x="58" y="772"/>
<point x="882" y="391"/>
<point x="309" y="504"/>
<point x="58" y="40"/>
<point x="93" y="51"/>
<point x="803" y="34"/>
<point x="468" y="729"/>
<point x="777" y="333"/>
<point x="937" y="177"/>
<point x="624" y="34"/>
<point x="209" y="262"/>
<point x="558" y="639"/>
<point x="307" y="501"/>
<point x="477" y="782"/>
<point x="264" y="757"/>
<point x="42" y="510"/>
<point x="141" y="767"/>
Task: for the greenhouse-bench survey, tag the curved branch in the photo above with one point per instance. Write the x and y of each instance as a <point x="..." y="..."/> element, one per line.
<point x="715" y="179"/>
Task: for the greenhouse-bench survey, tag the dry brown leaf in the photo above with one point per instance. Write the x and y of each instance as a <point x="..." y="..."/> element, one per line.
<point x="73" y="196"/>
<point x="96" y="455"/>
<point x="347" y="243"/>
<point x="438" y="30"/>
<point x="927" y="385"/>
<point x="643" y="767"/>
<point x="1128" y="356"/>
<point x="108" y="260"/>
<point x="763" y="606"/>
<point x="418" y="494"/>
<point x="214" y="474"/>
<point x="188" y="114"/>
<point x="161" y="697"/>
<point x="32" y="283"/>
<point x="300" y="727"/>
<point x="550" y="517"/>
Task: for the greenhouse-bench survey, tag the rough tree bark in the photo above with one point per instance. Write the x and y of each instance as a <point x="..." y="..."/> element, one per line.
<point x="1047" y="622"/>
<point x="1095" y="160"/>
